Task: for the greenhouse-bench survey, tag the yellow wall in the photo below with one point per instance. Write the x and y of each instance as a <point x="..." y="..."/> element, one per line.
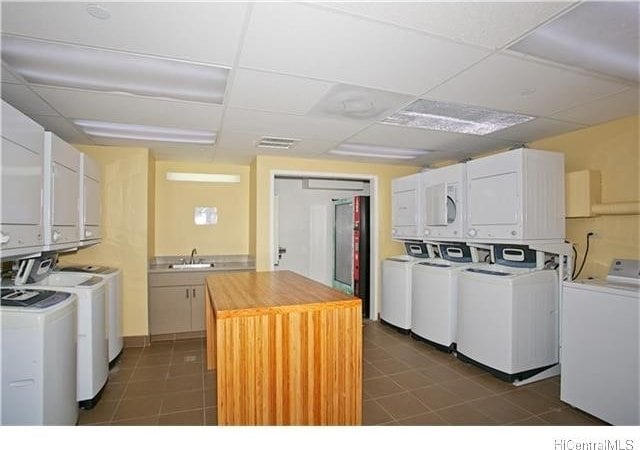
<point x="613" y="149"/>
<point x="175" y="231"/>
<point x="385" y="173"/>
<point x="124" y="227"/>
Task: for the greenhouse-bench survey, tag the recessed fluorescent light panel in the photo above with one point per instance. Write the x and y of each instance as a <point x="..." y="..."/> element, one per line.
<point x="74" y="66"/>
<point x="450" y="117"/>
<point x="277" y="143"/>
<point x="203" y="177"/>
<point x="599" y="36"/>
<point x="376" y="151"/>
<point x="355" y="102"/>
<point x="145" y="133"/>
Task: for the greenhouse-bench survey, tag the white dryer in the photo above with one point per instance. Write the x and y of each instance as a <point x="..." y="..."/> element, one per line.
<point x="434" y="292"/>
<point x="38" y="357"/>
<point x="396" y="285"/>
<point x="508" y="315"/>
<point x="113" y="280"/>
<point x="600" y="366"/>
<point x="92" y="356"/>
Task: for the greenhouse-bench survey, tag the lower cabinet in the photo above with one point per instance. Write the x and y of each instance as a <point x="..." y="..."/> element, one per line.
<point x="176" y="302"/>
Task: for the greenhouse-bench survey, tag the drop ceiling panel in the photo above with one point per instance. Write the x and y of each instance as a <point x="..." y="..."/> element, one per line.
<point x="77" y="104"/>
<point x="603" y="110"/>
<point x="316" y="42"/>
<point x="208" y="31"/>
<point x="536" y="129"/>
<point x="288" y="126"/>
<point x="274" y="92"/>
<point x="63" y="129"/>
<point x="8" y="77"/>
<point x="514" y="84"/>
<point x="488" y="24"/>
<point x="246" y="143"/>
<point x="23" y="98"/>
<point x="400" y="136"/>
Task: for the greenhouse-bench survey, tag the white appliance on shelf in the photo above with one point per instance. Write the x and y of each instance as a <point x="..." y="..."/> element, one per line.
<point x="61" y="185"/>
<point x="434" y="294"/>
<point x="405" y="208"/>
<point x="508" y="314"/>
<point x="21" y="170"/>
<point x="516" y="195"/>
<point x="38" y="384"/>
<point x="92" y="357"/>
<point x="89" y="201"/>
<point x="396" y="285"/>
<point x="600" y="365"/>
<point x="113" y="279"/>
<point x="444" y="202"/>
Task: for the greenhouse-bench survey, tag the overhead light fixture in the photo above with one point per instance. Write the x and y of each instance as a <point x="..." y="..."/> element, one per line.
<point x="377" y="151"/>
<point x="144" y="132"/>
<point x="599" y="36"/>
<point x="74" y="66"/>
<point x="98" y="11"/>
<point x="451" y="117"/>
<point x="277" y="142"/>
<point x="203" y="177"/>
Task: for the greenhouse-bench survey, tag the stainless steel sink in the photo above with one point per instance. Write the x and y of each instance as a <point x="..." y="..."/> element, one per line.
<point x="191" y="266"/>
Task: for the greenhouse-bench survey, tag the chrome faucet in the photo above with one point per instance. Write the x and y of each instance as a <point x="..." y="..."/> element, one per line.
<point x="193" y="253"/>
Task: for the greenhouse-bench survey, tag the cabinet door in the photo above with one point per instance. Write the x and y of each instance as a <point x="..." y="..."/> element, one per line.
<point x="169" y="309"/>
<point x="197" y="308"/>
<point x="21" y="172"/>
<point x="65" y="196"/>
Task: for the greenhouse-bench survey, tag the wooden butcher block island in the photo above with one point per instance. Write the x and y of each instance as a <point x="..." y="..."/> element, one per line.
<point x="287" y="350"/>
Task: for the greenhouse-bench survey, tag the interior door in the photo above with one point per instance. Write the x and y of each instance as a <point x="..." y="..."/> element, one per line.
<point x="343" y="267"/>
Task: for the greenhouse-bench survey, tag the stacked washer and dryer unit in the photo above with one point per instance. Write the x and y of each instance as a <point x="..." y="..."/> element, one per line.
<point x="502" y="315"/>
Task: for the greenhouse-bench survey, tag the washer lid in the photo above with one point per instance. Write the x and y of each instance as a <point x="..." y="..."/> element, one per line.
<point x="606" y="286"/>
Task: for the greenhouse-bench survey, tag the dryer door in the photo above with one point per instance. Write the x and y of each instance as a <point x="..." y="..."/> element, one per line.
<point x="436" y="204"/>
<point x="441" y="208"/>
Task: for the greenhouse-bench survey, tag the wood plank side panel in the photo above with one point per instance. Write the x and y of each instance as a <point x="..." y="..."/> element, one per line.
<point x="300" y="368"/>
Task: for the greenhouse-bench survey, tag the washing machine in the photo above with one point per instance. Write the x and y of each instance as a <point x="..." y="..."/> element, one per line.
<point x="38" y="357"/>
<point x="508" y="314"/>
<point x="113" y="280"/>
<point x="434" y="293"/>
<point x="600" y="366"/>
<point x="396" y="285"/>
<point x="92" y="354"/>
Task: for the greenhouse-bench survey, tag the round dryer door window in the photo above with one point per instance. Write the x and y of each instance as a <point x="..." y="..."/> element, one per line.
<point x="451" y="210"/>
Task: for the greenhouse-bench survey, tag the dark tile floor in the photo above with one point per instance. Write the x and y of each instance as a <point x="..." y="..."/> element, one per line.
<point x="406" y="382"/>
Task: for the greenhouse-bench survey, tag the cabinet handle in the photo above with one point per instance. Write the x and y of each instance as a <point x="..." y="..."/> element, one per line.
<point x="187" y="293"/>
<point x="56" y="236"/>
<point x="194" y="292"/>
<point x="4" y="238"/>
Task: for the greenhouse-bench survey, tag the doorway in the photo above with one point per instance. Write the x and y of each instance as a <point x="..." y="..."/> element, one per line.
<point x="303" y="225"/>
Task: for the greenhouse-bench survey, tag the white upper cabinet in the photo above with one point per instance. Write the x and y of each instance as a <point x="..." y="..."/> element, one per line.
<point x="21" y="171"/>
<point x="89" y="203"/>
<point x="516" y="195"/>
<point x="61" y="193"/>
<point x="405" y="208"/>
<point x="444" y="202"/>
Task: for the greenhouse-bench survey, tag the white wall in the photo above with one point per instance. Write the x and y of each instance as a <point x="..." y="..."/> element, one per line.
<point x="309" y="243"/>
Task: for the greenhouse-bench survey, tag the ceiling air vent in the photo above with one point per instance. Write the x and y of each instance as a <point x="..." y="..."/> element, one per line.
<point x="277" y="142"/>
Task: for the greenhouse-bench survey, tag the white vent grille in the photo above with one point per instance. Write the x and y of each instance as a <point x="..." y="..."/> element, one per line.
<point x="277" y="142"/>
